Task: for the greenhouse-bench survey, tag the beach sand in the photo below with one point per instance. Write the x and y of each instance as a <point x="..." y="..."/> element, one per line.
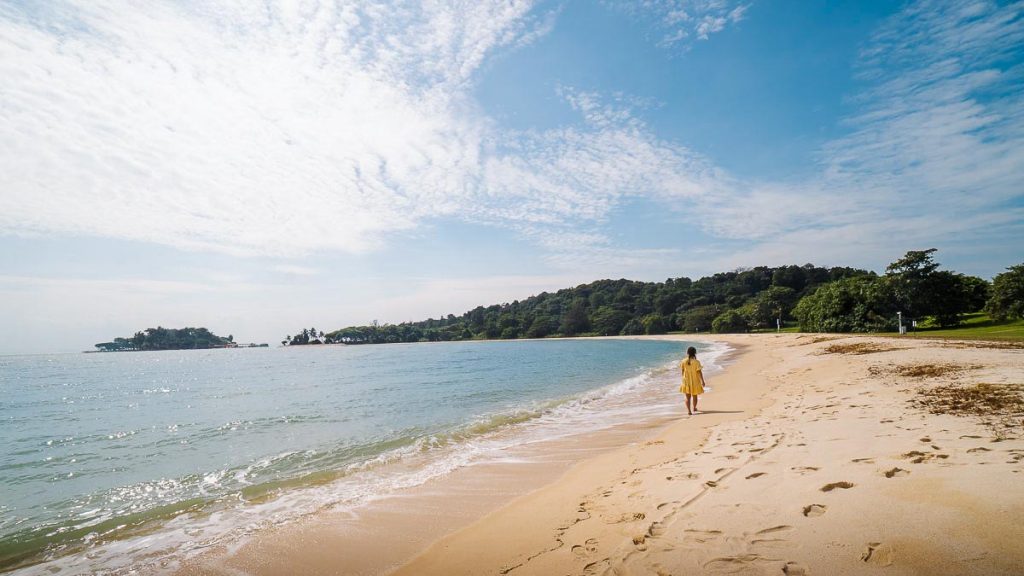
<point x="814" y="455"/>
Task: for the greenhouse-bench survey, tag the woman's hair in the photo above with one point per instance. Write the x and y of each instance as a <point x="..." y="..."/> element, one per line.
<point x="691" y="353"/>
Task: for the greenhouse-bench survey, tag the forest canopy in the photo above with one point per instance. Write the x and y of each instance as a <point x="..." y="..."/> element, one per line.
<point x="838" y="299"/>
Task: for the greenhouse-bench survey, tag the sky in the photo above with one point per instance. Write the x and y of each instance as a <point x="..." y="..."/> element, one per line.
<point x="260" y="167"/>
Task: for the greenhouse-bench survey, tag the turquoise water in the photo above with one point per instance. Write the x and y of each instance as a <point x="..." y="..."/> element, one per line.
<point x="106" y="448"/>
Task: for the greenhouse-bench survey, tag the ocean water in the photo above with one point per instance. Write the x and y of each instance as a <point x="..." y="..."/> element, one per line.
<point x="122" y="462"/>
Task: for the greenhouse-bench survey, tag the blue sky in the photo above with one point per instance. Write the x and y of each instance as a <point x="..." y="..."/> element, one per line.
<point x="260" y="168"/>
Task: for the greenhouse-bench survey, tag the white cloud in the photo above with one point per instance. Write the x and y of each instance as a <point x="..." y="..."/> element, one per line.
<point x="680" y="22"/>
<point x="293" y="127"/>
<point x="294" y="270"/>
<point x="277" y="129"/>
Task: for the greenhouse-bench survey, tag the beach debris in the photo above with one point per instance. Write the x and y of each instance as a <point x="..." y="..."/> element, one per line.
<point x="990" y="344"/>
<point x="859" y="348"/>
<point x="999" y="406"/>
<point x="833" y="485"/>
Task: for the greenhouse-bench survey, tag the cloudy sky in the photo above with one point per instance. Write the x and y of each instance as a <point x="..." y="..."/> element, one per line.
<point x="257" y="167"/>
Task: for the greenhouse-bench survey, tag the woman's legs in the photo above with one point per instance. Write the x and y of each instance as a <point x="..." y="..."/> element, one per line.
<point x="688" y="410"/>
<point x="695" y="397"/>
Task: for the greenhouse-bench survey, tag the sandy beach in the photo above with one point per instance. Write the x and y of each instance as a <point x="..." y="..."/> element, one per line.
<point x="813" y="455"/>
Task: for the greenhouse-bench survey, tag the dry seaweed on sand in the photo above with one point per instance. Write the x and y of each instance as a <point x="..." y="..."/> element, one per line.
<point x="999" y="405"/>
<point x="816" y="340"/>
<point x="858" y="348"/>
<point x="932" y="370"/>
<point x="985" y="344"/>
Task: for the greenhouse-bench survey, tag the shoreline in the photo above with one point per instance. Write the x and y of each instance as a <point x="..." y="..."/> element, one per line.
<point x="392" y="529"/>
<point x="806" y="462"/>
<point x="841" y="473"/>
<point x="566" y="501"/>
<point x="378" y="538"/>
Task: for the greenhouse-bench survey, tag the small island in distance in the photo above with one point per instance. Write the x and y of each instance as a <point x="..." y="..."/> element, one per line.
<point x="161" y="338"/>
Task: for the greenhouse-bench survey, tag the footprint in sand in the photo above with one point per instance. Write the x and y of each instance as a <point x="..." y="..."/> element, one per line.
<point x="833" y="485"/>
<point x="863" y="460"/>
<point x="878" y="554"/>
<point x="634" y="517"/>
<point x="814" y="510"/>
<point x="701" y="536"/>
<point x="774" y="529"/>
<point x="896" y="472"/>
<point x="655" y="530"/>
<point x="585" y="549"/>
<point x="794" y="569"/>
<point x="732" y="564"/>
<point x="804" y="469"/>
<point x="756" y="475"/>
<point x="978" y="449"/>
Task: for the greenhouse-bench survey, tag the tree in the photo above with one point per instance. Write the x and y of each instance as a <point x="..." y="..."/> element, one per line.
<point x="653" y="324"/>
<point x="949" y="297"/>
<point x="575" y="320"/>
<point x="775" y="302"/>
<point x="730" y="321"/>
<point x="907" y="277"/>
<point x="608" y="321"/>
<point x="699" y="319"/>
<point x="1007" y="298"/>
<point x="541" y="326"/>
<point x="852" y="304"/>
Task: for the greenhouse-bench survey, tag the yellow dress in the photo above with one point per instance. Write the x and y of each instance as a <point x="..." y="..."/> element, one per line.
<point x="691" y="377"/>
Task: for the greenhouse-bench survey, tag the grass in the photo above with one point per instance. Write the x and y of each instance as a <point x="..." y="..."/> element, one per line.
<point x="977" y="326"/>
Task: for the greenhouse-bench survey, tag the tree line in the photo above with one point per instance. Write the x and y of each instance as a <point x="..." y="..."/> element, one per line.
<point x="838" y="299"/>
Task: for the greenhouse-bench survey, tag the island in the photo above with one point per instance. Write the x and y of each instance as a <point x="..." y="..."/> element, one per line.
<point x="161" y="338"/>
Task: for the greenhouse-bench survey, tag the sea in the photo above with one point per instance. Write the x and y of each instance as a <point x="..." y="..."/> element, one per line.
<point x="129" y="462"/>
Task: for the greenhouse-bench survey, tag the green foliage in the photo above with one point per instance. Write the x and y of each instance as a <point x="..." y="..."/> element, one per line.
<point x="774" y="303"/>
<point x="161" y="338"/>
<point x="920" y="289"/>
<point x="853" y="304"/>
<point x="1007" y="296"/>
<point x="575" y="320"/>
<point x="608" y="321"/>
<point x="699" y="319"/>
<point x="730" y="321"/>
<point x="823" y="299"/>
<point x="653" y="324"/>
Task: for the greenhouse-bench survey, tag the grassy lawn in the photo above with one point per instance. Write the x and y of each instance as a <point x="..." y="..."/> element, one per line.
<point x="976" y="327"/>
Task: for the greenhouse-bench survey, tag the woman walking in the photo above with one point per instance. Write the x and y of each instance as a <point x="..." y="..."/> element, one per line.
<point x="693" y="379"/>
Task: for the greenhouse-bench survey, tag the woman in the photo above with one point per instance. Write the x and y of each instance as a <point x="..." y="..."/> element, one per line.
<point x="693" y="379"/>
